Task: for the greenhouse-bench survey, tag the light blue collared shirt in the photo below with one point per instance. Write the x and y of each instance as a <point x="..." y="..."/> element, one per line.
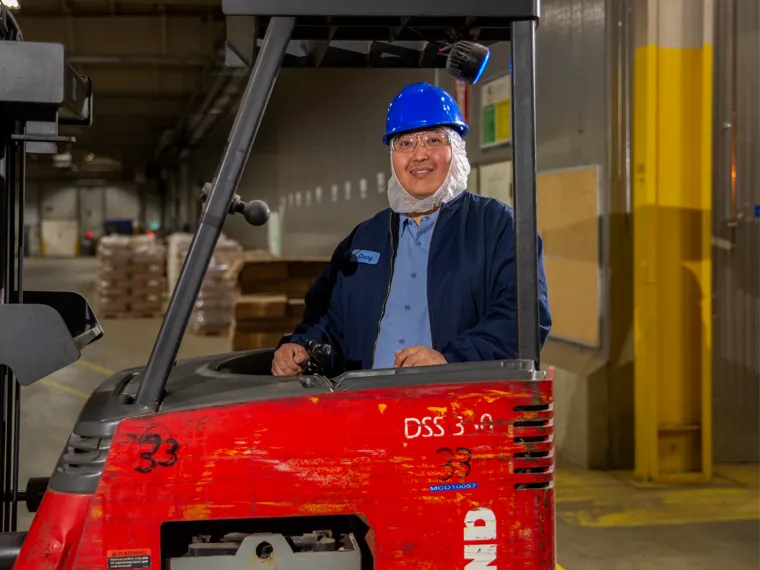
<point x="406" y="321"/>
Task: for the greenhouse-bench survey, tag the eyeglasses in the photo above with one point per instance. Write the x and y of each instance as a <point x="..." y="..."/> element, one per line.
<point x="430" y="140"/>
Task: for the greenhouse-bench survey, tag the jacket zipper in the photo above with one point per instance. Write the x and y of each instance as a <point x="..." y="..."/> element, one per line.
<point x="388" y="291"/>
<point x="429" y="281"/>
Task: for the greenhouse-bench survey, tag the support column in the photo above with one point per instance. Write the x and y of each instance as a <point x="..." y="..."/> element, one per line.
<point x="672" y="157"/>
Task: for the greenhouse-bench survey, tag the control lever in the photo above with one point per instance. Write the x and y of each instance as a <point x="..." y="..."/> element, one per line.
<point x="255" y="212"/>
<point x="319" y="358"/>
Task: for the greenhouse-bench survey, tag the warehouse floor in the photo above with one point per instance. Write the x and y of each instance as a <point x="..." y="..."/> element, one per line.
<point x="605" y="522"/>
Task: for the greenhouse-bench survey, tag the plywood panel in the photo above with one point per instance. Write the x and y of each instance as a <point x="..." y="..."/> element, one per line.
<point x="568" y="221"/>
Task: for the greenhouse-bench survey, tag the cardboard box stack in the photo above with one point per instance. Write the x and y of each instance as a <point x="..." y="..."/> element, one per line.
<point x="212" y="314"/>
<point x="147" y="276"/>
<point x="271" y="298"/>
<point x="177" y="245"/>
<point x="112" y="281"/>
<point x="130" y="277"/>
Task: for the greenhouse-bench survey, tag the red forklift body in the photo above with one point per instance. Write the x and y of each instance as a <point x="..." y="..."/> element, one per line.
<point x="446" y="468"/>
<point x="214" y="463"/>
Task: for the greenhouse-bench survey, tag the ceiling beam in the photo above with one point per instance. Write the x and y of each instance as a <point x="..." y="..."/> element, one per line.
<point x="141" y="96"/>
<point x="176" y="38"/>
<point x="85" y="8"/>
<point x="133" y="60"/>
<point x="120" y="142"/>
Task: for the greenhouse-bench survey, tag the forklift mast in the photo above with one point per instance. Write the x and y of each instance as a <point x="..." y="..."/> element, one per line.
<point x="42" y="331"/>
<point x="285" y="21"/>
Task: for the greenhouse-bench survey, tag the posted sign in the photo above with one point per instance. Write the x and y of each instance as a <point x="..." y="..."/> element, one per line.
<point x="496" y="112"/>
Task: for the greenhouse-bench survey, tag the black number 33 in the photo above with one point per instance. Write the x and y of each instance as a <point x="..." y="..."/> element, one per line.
<point x="147" y="458"/>
<point x="460" y="468"/>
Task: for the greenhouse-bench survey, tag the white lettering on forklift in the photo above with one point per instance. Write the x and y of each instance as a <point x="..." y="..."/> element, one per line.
<point x="460" y="426"/>
<point x="479" y="525"/>
<point x="486" y="423"/>
<point x="433" y="427"/>
<point x="426" y="427"/>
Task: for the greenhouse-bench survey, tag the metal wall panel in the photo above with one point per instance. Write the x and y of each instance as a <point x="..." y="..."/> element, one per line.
<point x="572" y="85"/>
<point x="122" y="203"/>
<point x="91" y="210"/>
<point x="736" y="234"/>
<point x="59" y="203"/>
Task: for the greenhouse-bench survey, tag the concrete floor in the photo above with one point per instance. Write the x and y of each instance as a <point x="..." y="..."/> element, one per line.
<point x="604" y="522"/>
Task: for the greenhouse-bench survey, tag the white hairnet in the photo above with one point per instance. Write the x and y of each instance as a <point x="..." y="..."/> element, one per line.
<point x="455" y="183"/>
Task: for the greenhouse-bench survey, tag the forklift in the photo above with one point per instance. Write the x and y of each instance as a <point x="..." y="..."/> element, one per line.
<point x="212" y="462"/>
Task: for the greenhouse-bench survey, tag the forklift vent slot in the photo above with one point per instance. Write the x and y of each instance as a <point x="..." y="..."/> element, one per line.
<point x="532" y="454"/>
<point x="533" y="486"/>
<point x="84" y="455"/>
<point x="532" y="470"/>
<point x="532" y="439"/>
<point x="531" y="423"/>
<point x="533" y="408"/>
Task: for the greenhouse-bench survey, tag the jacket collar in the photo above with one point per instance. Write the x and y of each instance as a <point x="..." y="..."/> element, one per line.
<point x="446" y="209"/>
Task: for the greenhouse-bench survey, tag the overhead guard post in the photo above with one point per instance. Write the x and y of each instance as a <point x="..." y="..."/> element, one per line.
<point x="524" y="184"/>
<point x="249" y="116"/>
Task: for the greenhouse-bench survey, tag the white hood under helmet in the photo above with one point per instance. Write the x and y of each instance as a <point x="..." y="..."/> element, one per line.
<point x="402" y="202"/>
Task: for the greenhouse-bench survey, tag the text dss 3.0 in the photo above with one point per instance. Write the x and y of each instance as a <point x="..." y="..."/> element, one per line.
<point x="436" y="426"/>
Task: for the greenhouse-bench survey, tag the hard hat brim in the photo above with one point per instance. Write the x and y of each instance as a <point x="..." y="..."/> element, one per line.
<point x="460" y="127"/>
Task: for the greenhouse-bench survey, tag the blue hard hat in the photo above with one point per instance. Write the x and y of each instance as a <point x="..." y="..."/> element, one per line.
<point x="421" y="105"/>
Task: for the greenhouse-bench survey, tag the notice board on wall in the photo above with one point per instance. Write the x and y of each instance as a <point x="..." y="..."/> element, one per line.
<point x="569" y="224"/>
<point x="496" y="112"/>
<point x="495" y="181"/>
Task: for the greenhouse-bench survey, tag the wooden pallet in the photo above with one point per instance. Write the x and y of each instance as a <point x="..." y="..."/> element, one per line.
<point x="129" y="315"/>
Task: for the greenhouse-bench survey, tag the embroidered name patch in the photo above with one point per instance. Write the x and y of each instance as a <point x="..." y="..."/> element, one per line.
<point x="365" y="256"/>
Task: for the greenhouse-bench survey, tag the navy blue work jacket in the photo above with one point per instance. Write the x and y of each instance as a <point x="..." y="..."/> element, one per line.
<point x="471" y="287"/>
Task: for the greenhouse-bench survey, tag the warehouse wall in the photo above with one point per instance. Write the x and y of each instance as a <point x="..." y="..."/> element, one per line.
<point x="323" y="130"/>
<point x="87" y="205"/>
<point x="736" y="237"/>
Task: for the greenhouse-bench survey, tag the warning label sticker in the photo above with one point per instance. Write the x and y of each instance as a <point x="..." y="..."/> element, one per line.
<point x="135" y="558"/>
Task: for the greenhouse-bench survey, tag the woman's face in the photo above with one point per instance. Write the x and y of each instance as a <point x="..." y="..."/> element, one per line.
<point x="421" y="160"/>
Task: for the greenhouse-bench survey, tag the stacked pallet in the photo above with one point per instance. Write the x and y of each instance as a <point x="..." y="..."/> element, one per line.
<point x="147" y="281"/>
<point x="271" y="300"/>
<point x="212" y="314"/>
<point x="130" y="276"/>
<point x="112" y="279"/>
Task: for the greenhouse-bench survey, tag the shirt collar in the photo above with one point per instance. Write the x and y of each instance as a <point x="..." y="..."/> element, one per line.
<point x="407" y="221"/>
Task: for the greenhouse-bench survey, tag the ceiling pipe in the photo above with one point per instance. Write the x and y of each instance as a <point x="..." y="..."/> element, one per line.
<point x="227" y="85"/>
